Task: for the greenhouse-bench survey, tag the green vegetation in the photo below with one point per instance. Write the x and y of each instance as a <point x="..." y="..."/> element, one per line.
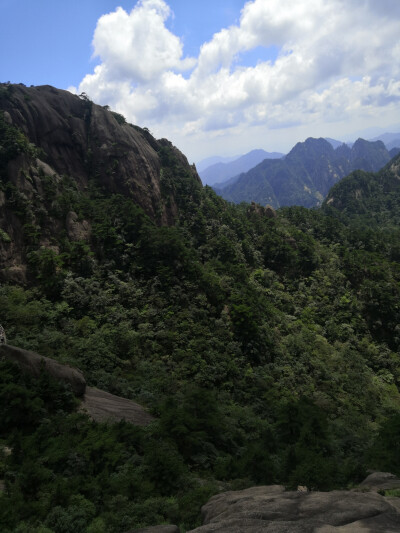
<point x="267" y="348"/>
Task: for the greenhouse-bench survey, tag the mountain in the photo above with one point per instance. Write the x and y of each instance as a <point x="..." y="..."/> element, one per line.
<point x="57" y="144"/>
<point x="374" y="196"/>
<point x="223" y="171"/>
<point x="335" y="144"/>
<point x="209" y="161"/>
<point x="306" y="174"/>
<point x="391" y="140"/>
<point x="261" y="346"/>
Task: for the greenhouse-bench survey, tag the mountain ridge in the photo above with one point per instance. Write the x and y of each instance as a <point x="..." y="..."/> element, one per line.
<point x="305" y="175"/>
<point x="57" y="144"/>
<point x="223" y="171"/>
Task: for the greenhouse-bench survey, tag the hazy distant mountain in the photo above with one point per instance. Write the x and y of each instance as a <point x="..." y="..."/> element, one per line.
<point x="391" y="140"/>
<point x="221" y="172"/>
<point x="306" y="174"/>
<point x="335" y="144"/>
<point x="208" y="161"/>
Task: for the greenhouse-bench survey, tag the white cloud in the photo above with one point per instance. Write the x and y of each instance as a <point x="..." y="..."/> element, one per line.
<point x="338" y="60"/>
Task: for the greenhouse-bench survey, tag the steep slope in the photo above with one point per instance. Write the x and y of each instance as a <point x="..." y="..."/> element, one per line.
<point x="375" y="196"/>
<point x="306" y="174"/>
<point x="265" y="343"/>
<point x="223" y="171"/>
<point x="53" y="143"/>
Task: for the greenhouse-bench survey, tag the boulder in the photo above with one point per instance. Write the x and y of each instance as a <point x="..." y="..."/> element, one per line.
<point x="272" y="509"/>
<point x="380" y="481"/>
<point x="33" y="364"/>
<point x="102" y="406"/>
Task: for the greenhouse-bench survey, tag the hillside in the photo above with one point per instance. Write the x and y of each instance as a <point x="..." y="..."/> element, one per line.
<point x="57" y="146"/>
<point x="374" y="197"/>
<point x="223" y="171"/>
<point x="306" y="174"/>
<point x="264" y="344"/>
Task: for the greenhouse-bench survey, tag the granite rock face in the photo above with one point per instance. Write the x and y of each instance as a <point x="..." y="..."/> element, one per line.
<point x="99" y="405"/>
<point x="272" y="509"/>
<point x="33" y="363"/>
<point x="73" y="139"/>
<point x="105" y="407"/>
<point x="380" y="481"/>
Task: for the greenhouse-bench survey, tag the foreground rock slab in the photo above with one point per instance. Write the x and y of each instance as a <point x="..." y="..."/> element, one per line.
<point x="102" y="406"/>
<point x="272" y="509"/>
<point x="380" y="481"/>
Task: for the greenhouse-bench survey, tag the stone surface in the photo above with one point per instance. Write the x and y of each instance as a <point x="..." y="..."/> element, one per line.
<point x="380" y="481"/>
<point x="33" y="364"/>
<point x="78" y="140"/>
<point x="272" y="509"/>
<point x="156" y="529"/>
<point x="77" y="230"/>
<point x="103" y="407"/>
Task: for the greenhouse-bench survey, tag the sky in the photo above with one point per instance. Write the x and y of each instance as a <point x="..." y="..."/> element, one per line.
<point x="217" y="77"/>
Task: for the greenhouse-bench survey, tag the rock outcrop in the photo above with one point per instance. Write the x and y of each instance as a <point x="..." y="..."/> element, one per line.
<point x="99" y="405"/>
<point x="272" y="509"/>
<point x="105" y="407"/>
<point x="34" y="363"/>
<point x="378" y="481"/>
<point x="81" y="139"/>
<point x="61" y="142"/>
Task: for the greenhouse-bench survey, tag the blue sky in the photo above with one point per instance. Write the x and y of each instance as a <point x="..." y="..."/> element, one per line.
<point x="217" y="77"/>
<point x="50" y="42"/>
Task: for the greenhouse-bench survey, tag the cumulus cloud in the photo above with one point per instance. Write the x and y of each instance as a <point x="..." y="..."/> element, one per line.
<point x="337" y="59"/>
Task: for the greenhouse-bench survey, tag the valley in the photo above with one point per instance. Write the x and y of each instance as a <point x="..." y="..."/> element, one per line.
<point x="263" y="343"/>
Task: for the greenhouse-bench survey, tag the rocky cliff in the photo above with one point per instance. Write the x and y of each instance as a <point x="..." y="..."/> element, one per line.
<point x="49" y="137"/>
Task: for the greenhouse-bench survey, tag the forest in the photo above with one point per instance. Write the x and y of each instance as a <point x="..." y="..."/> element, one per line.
<point x="266" y="344"/>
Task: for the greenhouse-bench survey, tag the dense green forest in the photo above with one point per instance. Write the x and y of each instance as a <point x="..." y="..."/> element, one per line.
<point x="268" y="348"/>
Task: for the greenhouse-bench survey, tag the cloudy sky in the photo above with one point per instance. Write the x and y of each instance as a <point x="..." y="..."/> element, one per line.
<point x="217" y="76"/>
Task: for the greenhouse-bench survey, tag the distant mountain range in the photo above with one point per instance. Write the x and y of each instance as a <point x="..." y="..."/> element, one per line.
<point x="306" y="174"/>
<point x="391" y="140"/>
<point x="220" y="171"/>
<point x="209" y="161"/>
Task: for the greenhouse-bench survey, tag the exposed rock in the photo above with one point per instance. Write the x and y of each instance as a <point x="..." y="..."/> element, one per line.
<point x="3" y="336"/>
<point x="33" y="364"/>
<point x="47" y="170"/>
<point x="7" y="117"/>
<point x="380" y="481"/>
<point x="103" y="407"/>
<point x="82" y="139"/>
<point x="74" y="141"/>
<point x="77" y="230"/>
<point x="270" y="212"/>
<point x="156" y="529"/>
<point x="266" y="211"/>
<point x="272" y="509"/>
